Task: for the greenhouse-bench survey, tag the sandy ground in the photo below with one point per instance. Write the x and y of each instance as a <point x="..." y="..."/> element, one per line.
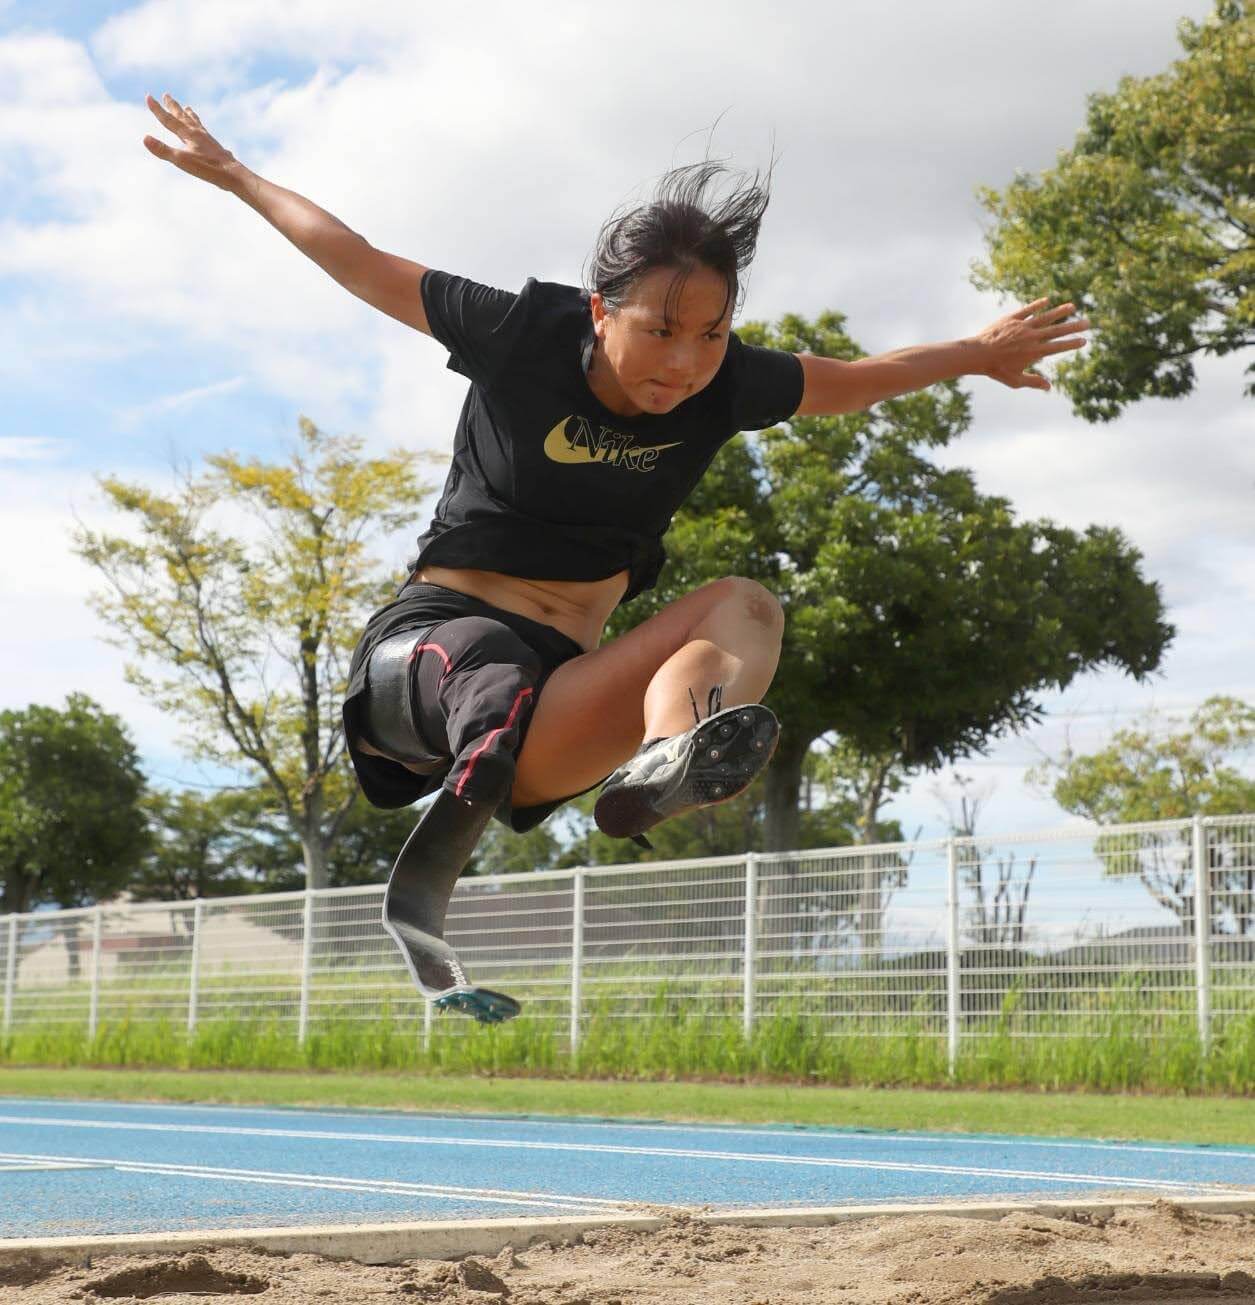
<point x="1161" y="1254"/>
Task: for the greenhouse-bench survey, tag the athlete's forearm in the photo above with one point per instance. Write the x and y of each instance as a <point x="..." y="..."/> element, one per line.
<point x="319" y="235"/>
<point x="919" y="366"/>
<point x="833" y="386"/>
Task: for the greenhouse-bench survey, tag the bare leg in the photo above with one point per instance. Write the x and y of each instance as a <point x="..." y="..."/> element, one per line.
<point x="595" y="710"/>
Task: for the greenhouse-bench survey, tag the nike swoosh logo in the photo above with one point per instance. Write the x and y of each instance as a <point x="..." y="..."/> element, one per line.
<point x="558" y="448"/>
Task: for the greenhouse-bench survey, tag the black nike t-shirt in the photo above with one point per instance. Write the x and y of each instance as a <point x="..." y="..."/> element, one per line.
<point x="545" y="481"/>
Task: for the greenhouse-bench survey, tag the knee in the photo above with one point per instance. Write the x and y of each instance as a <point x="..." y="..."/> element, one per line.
<point x="753" y="602"/>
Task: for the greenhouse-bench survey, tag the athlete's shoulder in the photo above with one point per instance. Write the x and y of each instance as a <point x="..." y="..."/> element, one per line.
<point x="557" y="315"/>
<point x="556" y="297"/>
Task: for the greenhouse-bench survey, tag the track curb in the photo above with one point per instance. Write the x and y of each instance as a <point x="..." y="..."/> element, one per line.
<point x="393" y="1243"/>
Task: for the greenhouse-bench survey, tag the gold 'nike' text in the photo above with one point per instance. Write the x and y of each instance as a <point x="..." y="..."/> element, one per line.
<point x="574" y="442"/>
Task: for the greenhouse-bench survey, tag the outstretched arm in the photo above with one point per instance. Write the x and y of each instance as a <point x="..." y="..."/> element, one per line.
<point x="384" y="281"/>
<point x="1005" y="351"/>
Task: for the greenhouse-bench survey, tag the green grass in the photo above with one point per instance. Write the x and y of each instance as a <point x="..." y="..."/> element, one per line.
<point x="1134" y="1033"/>
<point x="1120" y="1051"/>
<point x="1214" y="1120"/>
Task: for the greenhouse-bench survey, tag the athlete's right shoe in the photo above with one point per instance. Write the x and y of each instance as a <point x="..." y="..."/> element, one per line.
<point x="716" y="760"/>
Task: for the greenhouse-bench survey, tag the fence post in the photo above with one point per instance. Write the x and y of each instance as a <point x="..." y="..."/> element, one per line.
<point x="193" y="983"/>
<point x="751" y="943"/>
<point x="1202" y="932"/>
<point x="10" y="972"/>
<point x="93" y="1011"/>
<point x="307" y="959"/>
<point x="577" y="955"/>
<point x="952" y="954"/>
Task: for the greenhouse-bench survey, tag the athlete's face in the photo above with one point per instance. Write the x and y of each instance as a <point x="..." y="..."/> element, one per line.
<point x="649" y="361"/>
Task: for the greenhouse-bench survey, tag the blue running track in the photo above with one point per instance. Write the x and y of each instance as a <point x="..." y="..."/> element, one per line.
<point x="72" y="1169"/>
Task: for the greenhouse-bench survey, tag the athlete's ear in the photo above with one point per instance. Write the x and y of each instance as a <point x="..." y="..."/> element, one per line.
<point x="600" y="312"/>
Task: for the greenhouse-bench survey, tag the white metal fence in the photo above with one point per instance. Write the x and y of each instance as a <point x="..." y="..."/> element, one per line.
<point x="1032" y="935"/>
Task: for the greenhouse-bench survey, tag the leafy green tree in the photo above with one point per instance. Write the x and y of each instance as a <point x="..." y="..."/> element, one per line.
<point x="1147" y="223"/>
<point x="72" y="831"/>
<point x="244" y="635"/>
<point x="198" y="843"/>
<point x="1147" y="773"/>
<point x="238" y="841"/>
<point x="923" y="619"/>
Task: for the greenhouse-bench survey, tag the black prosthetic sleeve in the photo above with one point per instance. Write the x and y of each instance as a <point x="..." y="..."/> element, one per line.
<point x="474" y="688"/>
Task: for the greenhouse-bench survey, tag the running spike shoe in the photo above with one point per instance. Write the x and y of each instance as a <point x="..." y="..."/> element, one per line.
<point x="714" y="761"/>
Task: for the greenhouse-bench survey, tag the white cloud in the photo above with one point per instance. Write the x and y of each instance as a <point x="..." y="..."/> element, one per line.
<point x="30" y="448"/>
<point x="40" y="70"/>
<point x="182" y="35"/>
<point x="168" y="403"/>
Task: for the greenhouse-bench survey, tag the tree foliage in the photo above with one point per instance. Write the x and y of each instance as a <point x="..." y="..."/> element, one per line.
<point x="244" y="632"/>
<point x="1147" y="223"/>
<point x="238" y="841"/>
<point x="71" y="828"/>
<point x="1149" y="773"/>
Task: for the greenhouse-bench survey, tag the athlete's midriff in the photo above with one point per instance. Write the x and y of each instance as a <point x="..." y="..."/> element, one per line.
<point x="579" y="608"/>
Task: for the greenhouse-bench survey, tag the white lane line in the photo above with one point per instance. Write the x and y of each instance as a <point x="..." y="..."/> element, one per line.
<point x="330" y="1182"/>
<point x="402" y="1139"/>
<point x="819" y="1132"/>
<point x="33" y="1165"/>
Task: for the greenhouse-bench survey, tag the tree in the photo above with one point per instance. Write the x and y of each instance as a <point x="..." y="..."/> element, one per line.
<point x="71" y="827"/>
<point x="1147" y="223"/>
<point x="999" y="895"/>
<point x="198" y="844"/>
<point x="923" y="619"/>
<point x="236" y="841"/>
<point x="1147" y="773"/>
<point x="245" y="636"/>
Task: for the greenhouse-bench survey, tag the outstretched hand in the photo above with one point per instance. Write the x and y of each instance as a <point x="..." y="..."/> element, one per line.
<point x="201" y="155"/>
<point x="1014" y="343"/>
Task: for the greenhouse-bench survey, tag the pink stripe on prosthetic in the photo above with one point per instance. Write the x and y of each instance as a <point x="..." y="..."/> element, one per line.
<point x="435" y="647"/>
<point x="488" y="738"/>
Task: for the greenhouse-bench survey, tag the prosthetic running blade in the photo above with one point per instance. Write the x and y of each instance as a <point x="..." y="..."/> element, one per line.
<point x="417" y="898"/>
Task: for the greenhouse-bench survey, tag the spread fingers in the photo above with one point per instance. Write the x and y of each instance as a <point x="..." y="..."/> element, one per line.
<point x="168" y="114"/>
<point x="1061" y="346"/>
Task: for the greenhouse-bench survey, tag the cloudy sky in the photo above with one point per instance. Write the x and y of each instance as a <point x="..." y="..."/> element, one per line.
<point x="146" y="317"/>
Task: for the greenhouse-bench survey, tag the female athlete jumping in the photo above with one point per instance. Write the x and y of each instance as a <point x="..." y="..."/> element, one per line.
<point x="590" y="417"/>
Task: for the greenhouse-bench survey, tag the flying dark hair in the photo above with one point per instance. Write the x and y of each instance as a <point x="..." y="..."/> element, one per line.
<point x="683" y="227"/>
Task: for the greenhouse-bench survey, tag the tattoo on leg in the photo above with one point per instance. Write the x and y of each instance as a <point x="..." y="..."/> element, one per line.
<point x="697" y="717"/>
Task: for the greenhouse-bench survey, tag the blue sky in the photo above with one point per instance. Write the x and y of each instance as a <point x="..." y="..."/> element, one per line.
<point x="145" y="317"/>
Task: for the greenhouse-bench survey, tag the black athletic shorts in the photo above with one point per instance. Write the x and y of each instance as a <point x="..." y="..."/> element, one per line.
<point x="447" y="683"/>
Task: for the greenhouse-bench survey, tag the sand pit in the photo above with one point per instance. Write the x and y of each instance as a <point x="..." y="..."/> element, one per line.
<point x="1160" y="1254"/>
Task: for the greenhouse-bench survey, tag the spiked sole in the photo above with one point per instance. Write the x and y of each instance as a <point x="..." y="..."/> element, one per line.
<point x="722" y="757"/>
